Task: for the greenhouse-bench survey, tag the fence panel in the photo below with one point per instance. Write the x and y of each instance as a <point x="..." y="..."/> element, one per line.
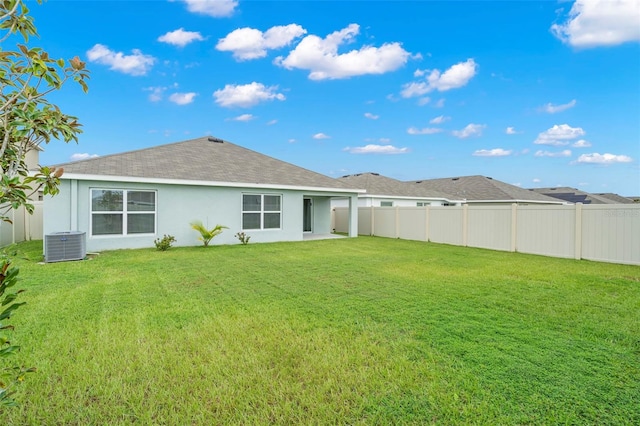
<point x="611" y="233"/>
<point x="364" y="221"/>
<point x="445" y="225"/>
<point x="489" y="227"/>
<point x="546" y="230"/>
<point x="25" y="227"/>
<point x="6" y="230"/>
<point x="340" y="219"/>
<point x="412" y="223"/>
<point x="384" y="222"/>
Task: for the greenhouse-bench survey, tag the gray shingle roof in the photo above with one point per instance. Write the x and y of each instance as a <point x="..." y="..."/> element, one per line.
<point x="481" y="188"/>
<point x="203" y="159"/>
<point x="619" y="199"/>
<point x="574" y="195"/>
<point x="376" y="184"/>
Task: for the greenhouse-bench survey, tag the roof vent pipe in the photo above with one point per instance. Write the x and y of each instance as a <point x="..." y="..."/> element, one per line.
<point x="216" y="140"/>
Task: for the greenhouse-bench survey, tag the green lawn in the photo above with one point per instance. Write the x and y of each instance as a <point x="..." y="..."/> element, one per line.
<point x="351" y="331"/>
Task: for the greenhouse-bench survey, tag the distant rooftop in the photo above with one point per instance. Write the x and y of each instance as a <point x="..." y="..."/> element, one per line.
<point x="482" y="188"/>
<point x="375" y="184"/>
<point x="573" y="195"/>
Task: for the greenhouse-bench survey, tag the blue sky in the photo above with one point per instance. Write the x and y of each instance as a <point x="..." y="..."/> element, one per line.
<point x="537" y="94"/>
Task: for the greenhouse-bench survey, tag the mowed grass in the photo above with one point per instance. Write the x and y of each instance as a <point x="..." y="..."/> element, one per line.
<point x="351" y="331"/>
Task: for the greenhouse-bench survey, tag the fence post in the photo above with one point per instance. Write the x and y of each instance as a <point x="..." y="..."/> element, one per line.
<point x="397" y="226"/>
<point x="514" y="226"/>
<point x="465" y="223"/>
<point x="426" y="227"/>
<point x="578" y="236"/>
<point x="372" y="222"/>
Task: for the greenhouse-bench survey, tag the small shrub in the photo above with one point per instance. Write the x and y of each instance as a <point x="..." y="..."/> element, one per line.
<point x="164" y="243"/>
<point x="244" y="238"/>
<point x="206" y="235"/>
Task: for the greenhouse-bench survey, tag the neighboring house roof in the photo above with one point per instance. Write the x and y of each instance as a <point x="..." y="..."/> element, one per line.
<point x="573" y="195"/>
<point x="619" y="199"/>
<point x="377" y="185"/>
<point x="205" y="159"/>
<point x="483" y="189"/>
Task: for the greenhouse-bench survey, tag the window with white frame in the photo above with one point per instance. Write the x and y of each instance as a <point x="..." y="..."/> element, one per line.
<point x="122" y="212"/>
<point x="261" y="211"/>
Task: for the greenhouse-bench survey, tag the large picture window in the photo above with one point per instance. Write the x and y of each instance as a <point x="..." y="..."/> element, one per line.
<point x="261" y="211"/>
<point x="122" y="212"/>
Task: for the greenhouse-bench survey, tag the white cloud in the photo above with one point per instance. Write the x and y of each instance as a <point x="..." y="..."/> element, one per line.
<point x="594" y="23"/>
<point x="536" y="180"/>
<point x="320" y="56"/>
<point x="156" y="93"/>
<point x="440" y="103"/>
<point x="565" y="153"/>
<point x="511" y="131"/>
<point x="291" y="140"/>
<point x="384" y="140"/>
<point x="424" y="100"/>
<point x="215" y="8"/>
<point x="271" y="122"/>
<point x="597" y="158"/>
<point x="496" y="152"/>
<point x="376" y="149"/>
<point x="439" y="119"/>
<point x="581" y="144"/>
<point x="249" y="43"/>
<point x="321" y="136"/>
<point x="247" y="95"/>
<point x="455" y="77"/>
<point x="371" y="116"/>
<point x="414" y="89"/>
<point x="423" y="131"/>
<point x="243" y="117"/>
<point x="559" y="135"/>
<point x="182" y="98"/>
<point x="134" y="64"/>
<point x="552" y="109"/>
<point x="470" y="130"/>
<point x="180" y="37"/>
<point x="82" y="156"/>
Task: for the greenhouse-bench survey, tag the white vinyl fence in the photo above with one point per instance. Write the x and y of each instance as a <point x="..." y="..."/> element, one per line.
<point x="25" y="227"/>
<point x="605" y="232"/>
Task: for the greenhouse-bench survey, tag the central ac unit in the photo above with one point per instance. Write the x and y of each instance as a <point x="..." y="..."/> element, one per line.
<point x="61" y="246"/>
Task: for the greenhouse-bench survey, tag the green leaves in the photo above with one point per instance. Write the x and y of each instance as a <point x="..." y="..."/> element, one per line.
<point x="206" y="235"/>
<point x="27" y="119"/>
<point x="9" y="376"/>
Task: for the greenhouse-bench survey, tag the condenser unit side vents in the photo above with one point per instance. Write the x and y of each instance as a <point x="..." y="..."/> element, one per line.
<point x="62" y="246"/>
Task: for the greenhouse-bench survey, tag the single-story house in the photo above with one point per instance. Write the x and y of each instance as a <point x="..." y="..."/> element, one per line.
<point x="483" y="190"/>
<point x="128" y="200"/>
<point x="383" y="191"/>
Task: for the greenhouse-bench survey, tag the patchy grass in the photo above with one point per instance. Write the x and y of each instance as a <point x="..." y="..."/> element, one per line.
<point x="351" y="331"/>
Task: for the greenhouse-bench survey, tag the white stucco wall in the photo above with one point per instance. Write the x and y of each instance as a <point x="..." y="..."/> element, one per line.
<point x="321" y="221"/>
<point x="177" y="206"/>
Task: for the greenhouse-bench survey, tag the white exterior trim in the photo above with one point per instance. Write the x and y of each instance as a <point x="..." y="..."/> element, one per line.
<point x="134" y="179"/>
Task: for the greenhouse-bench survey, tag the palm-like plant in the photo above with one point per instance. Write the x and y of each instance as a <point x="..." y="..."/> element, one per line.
<point x="207" y="235"/>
